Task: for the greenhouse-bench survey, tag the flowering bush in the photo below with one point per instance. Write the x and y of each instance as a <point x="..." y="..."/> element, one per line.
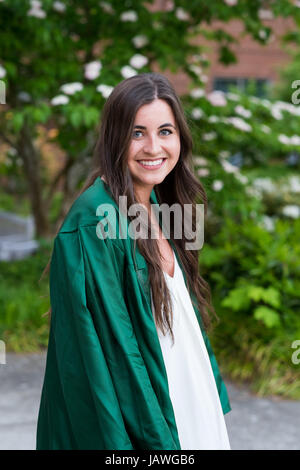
<point x="255" y="277"/>
<point x="60" y="60"/>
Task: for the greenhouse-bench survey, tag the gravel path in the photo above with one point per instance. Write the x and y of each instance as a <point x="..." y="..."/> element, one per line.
<point x="253" y="423"/>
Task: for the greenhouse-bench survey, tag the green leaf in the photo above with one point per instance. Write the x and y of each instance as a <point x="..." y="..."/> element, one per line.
<point x="272" y="296"/>
<point x="267" y="315"/>
<point x="237" y="299"/>
<point x="255" y="293"/>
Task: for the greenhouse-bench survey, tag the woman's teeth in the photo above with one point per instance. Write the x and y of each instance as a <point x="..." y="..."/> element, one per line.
<point x="151" y="163"/>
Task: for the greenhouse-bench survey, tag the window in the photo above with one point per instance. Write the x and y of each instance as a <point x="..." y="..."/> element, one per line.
<point x="260" y="85"/>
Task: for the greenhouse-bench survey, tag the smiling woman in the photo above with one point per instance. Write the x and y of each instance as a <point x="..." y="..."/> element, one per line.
<point x="129" y="362"/>
<point x="154" y="149"/>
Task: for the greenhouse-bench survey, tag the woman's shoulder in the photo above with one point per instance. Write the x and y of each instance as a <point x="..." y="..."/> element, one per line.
<point x="85" y="210"/>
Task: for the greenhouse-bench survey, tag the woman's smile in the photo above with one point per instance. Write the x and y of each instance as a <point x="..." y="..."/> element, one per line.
<point x="152" y="165"/>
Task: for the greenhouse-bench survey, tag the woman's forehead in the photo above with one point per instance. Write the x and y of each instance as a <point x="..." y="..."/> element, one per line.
<point x="158" y="111"/>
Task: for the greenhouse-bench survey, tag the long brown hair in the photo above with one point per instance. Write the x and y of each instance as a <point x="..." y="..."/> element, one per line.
<point x="180" y="186"/>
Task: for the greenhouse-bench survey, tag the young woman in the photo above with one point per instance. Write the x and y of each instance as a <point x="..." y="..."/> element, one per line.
<point x="129" y="363"/>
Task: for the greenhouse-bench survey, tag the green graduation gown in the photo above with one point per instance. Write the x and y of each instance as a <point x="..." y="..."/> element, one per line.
<point x="105" y="384"/>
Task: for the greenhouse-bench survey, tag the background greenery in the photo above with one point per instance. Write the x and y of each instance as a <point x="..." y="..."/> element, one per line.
<point x="246" y="153"/>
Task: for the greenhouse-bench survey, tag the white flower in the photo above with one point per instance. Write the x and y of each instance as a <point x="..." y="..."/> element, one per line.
<point x="295" y="140"/>
<point x="197" y="113"/>
<point x="242" y="178"/>
<point x="239" y="123"/>
<point x="35" y="4"/>
<point x="284" y="139"/>
<point x="12" y="151"/>
<point x="138" y="61"/>
<point x="128" y="71"/>
<point x="232" y="96"/>
<point x="129" y="15"/>
<point x="37" y="13"/>
<point x="276" y="114"/>
<point x="268" y="223"/>
<point x="217" y="185"/>
<point x="265" y="129"/>
<point x="294" y="183"/>
<point x="265" y="14"/>
<point x="107" y="7"/>
<point x="253" y="192"/>
<point x="71" y="88"/>
<point x="197" y="93"/>
<point x="140" y="41"/>
<point x="246" y="113"/>
<point x="105" y="90"/>
<point x="266" y="103"/>
<point x="255" y="100"/>
<point x="228" y="167"/>
<point x="181" y="14"/>
<point x="289" y="107"/>
<point x="264" y="184"/>
<point x="292" y="211"/>
<point x="224" y="154"/>
<point x="262" y="33"/>
<point x="36" y="9"/>
<point x="92" y="69"/>
<point x="209" y="136"/>
<point x="59" y="6"/>
<point x="2" y="72"/>
<point x="59" y="99"/>
<point x="213" y="119"/>
<point x="297" y="3"/>
<point x="217" y="98"/>
<point x="200" y="161"/>
<point x="204" y="78"/>
<point x="196" y="69"/>
<point x="203" y="172"/>
<point x="231" y="3"/>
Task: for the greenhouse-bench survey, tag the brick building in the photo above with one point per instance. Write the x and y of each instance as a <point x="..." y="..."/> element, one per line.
<point x="257" y="62"/>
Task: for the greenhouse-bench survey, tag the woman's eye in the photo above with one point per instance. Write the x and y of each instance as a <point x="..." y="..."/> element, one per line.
<point x="166" y="130"/>
<point x="137" y="132"/>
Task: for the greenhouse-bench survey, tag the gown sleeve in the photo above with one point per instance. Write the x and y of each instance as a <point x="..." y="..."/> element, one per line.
<point x="105" y="385"/>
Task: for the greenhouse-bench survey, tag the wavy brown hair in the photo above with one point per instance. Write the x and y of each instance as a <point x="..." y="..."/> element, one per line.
<point x="180" y="186"/>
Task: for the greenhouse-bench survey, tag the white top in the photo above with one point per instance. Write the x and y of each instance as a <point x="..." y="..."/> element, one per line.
<point x="192" y="387"/>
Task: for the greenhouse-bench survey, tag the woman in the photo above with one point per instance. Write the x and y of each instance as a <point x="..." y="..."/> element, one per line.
<point x="129" y="363"/>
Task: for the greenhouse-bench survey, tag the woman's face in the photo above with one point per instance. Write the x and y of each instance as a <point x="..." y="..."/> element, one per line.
<point x="155" y="144"/>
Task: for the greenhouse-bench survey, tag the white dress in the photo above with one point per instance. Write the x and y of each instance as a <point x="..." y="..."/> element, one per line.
<point x="192" y="387"/>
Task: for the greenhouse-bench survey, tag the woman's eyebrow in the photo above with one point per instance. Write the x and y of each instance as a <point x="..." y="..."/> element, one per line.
<point x="167" y="124"/>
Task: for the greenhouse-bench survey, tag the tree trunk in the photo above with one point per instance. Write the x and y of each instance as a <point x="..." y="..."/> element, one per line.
<point x="31" y="165"/>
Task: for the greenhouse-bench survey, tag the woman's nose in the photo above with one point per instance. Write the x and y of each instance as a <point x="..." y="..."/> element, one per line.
<point x="152" y="145"/>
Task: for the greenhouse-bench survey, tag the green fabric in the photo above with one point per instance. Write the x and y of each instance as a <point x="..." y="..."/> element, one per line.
<point x="105" y="384"/>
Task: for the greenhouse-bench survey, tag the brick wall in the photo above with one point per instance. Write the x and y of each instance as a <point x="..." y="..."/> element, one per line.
<point x="254" y="60"/>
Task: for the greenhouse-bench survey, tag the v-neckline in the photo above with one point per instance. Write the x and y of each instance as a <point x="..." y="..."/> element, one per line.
<point x="175" y="268"/>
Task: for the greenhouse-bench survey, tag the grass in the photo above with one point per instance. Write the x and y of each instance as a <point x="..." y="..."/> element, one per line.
<point x="266" y="368"/>
<point x="24" y="300"/>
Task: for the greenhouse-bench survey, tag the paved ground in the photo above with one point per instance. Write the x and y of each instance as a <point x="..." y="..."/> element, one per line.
<point x="253" y="423"/>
